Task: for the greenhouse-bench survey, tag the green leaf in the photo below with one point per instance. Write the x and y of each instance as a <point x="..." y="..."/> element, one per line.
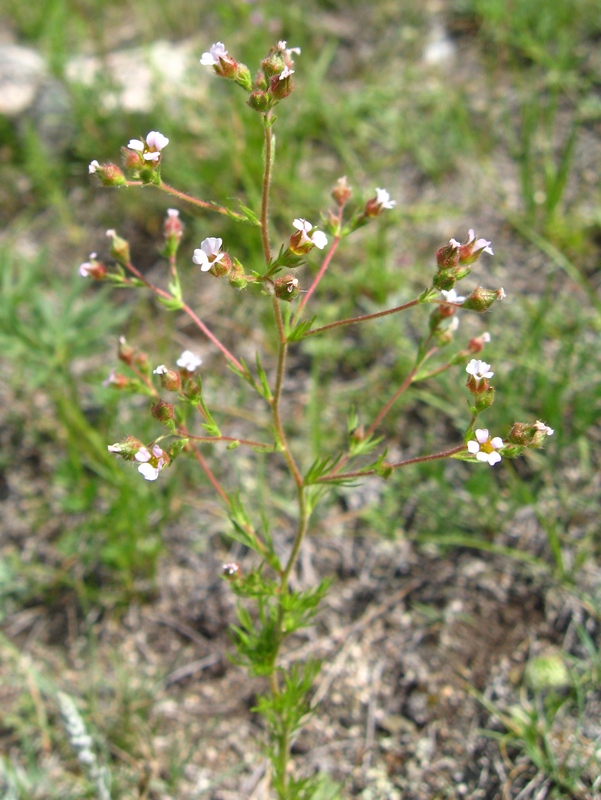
<point x="299" y="331"/>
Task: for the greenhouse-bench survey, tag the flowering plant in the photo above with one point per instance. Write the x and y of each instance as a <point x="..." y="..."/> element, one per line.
<point x="271" y="606"/>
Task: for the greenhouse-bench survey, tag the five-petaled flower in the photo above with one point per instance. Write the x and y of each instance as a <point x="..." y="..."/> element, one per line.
<point x="479" y="369"/>
<point x="152" y="461"/>
<point x="151" y="147"/>
<point x="208" y="253"/>
<point x="189" y="361"/>
<point x="307" y="237"/>
<point x="485" y="448"/>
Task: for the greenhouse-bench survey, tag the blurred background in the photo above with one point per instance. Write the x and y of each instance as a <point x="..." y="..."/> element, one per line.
<point x="481" y="114"/>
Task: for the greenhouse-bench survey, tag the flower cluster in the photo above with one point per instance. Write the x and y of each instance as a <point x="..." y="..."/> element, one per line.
<point x="151" y="461"/>
<point x="272" y="84"/>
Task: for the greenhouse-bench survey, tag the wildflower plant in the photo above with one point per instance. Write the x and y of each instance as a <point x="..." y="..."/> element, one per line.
<point x="270" y="609"/>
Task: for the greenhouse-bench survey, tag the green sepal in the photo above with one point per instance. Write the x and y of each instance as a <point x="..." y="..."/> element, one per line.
<point x="428" y="295"/>
<point x="171" y="303"/>
<point x="233" y="446"/>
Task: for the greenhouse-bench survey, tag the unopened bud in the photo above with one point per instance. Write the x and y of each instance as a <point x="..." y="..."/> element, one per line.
<point x="482" y="299"/>
<point x="119" y="247"/>
<point x="530" y="434"/>
<point x="286" y="288"/>
<point x="116" y="380"/>
<point x="237" y="277"/>
<point x="280" y="86"/>
<point x="108" y="174"/>
<point x="447" y="257"/>
<point x="173" y="230"/>
<point x="342" y="191"/>
<point x="476" y="345"/>
<point x="133" y="160"/>
<point x="170" y="379"/>
<point x="127" y="449"/>
<point x="125" y="352"/>
<point x="485" y="399"/>
<point x="163" y="412"/>
<point x="259" y="100"/>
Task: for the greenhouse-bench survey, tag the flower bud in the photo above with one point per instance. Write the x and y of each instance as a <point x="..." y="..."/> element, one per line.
<point x="93" y="269"/>
<point x="125" y="352"/>
<point x="273" y="64"/>
<point x="476" y="345"/>
<point x="280" y="86"/>
<point x="163" y="412"/>
<point x="342" y="192"/>
<point x="127" y="449"/>
<point x="108" y="174"/>
<point x="447" y="257"/>
<point x="133" y="160"/>
<point x="530" y="434"/>
<point x="259" y="100"/>
<point x="170" y="379"/>
<point x="236" y="276"/>
<point x="119" y="247"/>
<point x="485" y="399"/>
<point x="482" y="299"/>
<point x="117" y="380"/>
<point x="286" y="288"/>
<point x="173" y="231"/>
<point x="444" y="280"/>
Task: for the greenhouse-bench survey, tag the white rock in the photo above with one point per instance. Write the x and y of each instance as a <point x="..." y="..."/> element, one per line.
<point x="22" y="71"/>
<point x="135" y="78"/>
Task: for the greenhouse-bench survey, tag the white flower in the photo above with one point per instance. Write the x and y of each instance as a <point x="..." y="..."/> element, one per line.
<point x="318" y="238"/>
<point x="189" y="361"/>
<point x="286" y="73"/>
<point x="208" y="253"/>
<point x="216" y="52"/>
<point x="453" y="324"/>
<point x="85" y="269"/>
<point x="156" y="140"/>
<point x="479" y="369"/>
<point x="479" y="245"/>
<point x="282" y="47"/>
<point x="115" y="448"/>
<point x="485" y="337"/>
<point x="160" y="370"/>
<point x="451" y="296"/>
<point x="151" y="147"/>
<point x="93" y="167"/>
<point x="151" y="462"/>
<point x="485" y="448"/>
<point x="383" y="199"/>
<point x="173" y="213"/>
<point x="501" y="292"/>
<point x="540" y="426"/>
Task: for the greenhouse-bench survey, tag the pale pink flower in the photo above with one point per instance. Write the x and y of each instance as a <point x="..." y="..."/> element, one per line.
<point x="208" y="253"/>
<point x="93" y="167"/>
<point x="383" y="199"/>
<point x="152" y="462"/>
<point x="217" y="51"/>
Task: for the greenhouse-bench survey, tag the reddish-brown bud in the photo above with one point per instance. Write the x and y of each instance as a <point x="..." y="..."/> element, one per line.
<point x="125" y="352"/>
<point x="162" y="411"/>
<point x="342" y="192"/>
<point x="286" y="288"/>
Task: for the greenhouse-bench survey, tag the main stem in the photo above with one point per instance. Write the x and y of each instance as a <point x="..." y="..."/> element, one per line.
<point x="282" y="755"/>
